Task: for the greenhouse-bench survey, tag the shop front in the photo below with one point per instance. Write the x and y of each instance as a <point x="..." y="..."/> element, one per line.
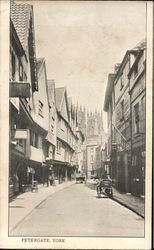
<point x="63" y="171"/>
<point x="17" y="174"/>
<point x="138" y="171"/>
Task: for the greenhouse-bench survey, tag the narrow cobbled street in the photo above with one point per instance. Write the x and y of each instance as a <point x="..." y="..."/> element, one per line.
<point x="76" y="211"/>
<point x="78" y="159"/>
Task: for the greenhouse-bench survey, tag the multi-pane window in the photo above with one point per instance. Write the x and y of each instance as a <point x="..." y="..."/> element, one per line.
<point x="137" y="119"/>
<point x="36" y="140"/>
<point x="21" y="73"/>
<point x="47" y="151"/>
<point x="134" y="158"/>
<point x="33" y="139"/>
<point x="59" y="145"/>
<point x="40" y="108"/>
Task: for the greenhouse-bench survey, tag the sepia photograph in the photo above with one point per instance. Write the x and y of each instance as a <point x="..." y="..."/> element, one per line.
<point x="77" y="122"/>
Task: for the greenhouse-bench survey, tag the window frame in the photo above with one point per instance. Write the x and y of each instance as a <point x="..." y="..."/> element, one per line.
<point x="137" y="118"/>
<point x="21" y="71"/>
<point x="58" y="147"/>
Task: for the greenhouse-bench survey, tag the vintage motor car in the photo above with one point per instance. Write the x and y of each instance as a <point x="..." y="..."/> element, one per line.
<point x="80" y="178"/>
<point x="105" y="188"/>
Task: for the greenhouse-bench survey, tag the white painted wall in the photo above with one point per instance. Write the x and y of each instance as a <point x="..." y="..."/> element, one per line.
<point x="41" y="95"/>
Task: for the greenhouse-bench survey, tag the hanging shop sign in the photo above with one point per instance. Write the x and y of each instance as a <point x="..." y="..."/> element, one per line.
<point x="20" y="134"/>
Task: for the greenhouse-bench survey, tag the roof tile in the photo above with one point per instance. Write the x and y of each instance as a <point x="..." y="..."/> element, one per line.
<point x="20" y="17"/>
<point x="39" y="63"/>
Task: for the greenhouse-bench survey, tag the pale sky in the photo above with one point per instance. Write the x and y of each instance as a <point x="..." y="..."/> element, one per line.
<point x="82" y="40"/>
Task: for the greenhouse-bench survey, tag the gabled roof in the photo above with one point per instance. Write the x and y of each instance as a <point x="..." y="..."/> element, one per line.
<point x="59" y="97"/>
<point x="60" y="94"/>
<point x="108" y="92"/>
<point x="14" y="37"/>
<point x="141" y="50"/>
<point x="73" y="111"/>
<point x="69" y="103"/>
<point x="51" y="89"/>
<point x="134" y="51"/>
<point x="23" y="20"/>
<point x="51" y="84"/>
<point x="141" y="45"/>
<point x="20" y="14"/>
<point x="39" y="63"/>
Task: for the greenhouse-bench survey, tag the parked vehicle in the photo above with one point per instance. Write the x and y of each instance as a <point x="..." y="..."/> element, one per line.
<point x="105" y="188"/>
<point x="80" y="178"/>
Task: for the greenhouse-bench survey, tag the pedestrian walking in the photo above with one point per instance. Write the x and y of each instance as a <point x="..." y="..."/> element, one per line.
<point x="98" y="184"/>
<point x="85" y="179"/>
<point x="47" y="180"/>
<point x="51" y="179"/>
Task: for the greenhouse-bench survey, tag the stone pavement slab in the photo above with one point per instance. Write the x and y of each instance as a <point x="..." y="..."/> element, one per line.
<point x="136" y="204"/>
<point x="26" y="202"/>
